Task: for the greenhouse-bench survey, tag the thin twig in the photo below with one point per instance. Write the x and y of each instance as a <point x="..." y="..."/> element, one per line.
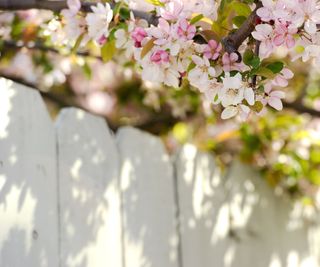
<point x="58" y="5"/>
<point x="256" y="52"/>
<point x="10" y="44"/>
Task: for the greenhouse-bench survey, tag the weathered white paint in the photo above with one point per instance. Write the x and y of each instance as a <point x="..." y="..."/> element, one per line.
<point x="89" y="197"/>
<point x="204" y="213"/>
<point x="28" y="184"/>
<point x="224" y="221"/>
<point x="268" y="231"/>
<point x="149" y="228"/>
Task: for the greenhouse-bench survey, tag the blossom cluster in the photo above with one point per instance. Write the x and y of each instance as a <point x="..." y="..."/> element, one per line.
<point x="173" y="56"/>
<point x="79" y="27"/>
<point x="170" y="53"/>
<point x="289" y="23"/>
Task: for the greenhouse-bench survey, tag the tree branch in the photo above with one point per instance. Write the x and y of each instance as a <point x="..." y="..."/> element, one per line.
<point x="58" y="5"/>
<point x="301" y="109"/>
<point x="9" y="44"/>
<point x="233" y="41"/>
<point x="256" y="52"/>
<point x="38" y="4"/>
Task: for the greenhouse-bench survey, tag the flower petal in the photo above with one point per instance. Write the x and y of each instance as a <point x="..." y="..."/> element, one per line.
<point x="275" y="103"/>
<point x="229" y="112"/>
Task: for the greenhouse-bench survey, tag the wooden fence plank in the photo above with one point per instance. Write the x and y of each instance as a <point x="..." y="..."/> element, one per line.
<point x="266" y="232"/>
<point x="28" y="180"/>
<point x="89" y="196"/>
<point x="150" y="237"/>
<point x="204" y="217"/>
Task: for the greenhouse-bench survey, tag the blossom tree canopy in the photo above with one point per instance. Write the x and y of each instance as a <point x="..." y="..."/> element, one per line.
<point x="222" y="50"/>
<point x="240" y="59"/>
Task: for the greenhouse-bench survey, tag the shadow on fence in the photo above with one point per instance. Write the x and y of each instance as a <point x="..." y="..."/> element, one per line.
<point x="74" y="195"/>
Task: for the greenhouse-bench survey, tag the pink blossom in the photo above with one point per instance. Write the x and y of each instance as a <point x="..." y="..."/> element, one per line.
<point x="74" y="6"/>
<point x="138" y="35"/>
<point x="229" y="62"/>
<point x="284" y="35"/>
<point x="163" y="32"/>
<point x="185" y="30"/>
<point x="273" y="98"/>
<point x="264" y="34"/>
<point x="282" y="78"/>
<point x="212" y="50"/>
<point x="102" y="40"/>
<point x="160" y="56"/>
<point x="171" y="10"/>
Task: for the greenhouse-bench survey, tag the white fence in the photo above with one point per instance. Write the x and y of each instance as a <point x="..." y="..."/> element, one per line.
<point x="72" y="194"/>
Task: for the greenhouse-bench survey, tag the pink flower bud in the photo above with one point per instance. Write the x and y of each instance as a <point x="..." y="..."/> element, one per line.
<point x="212" y="50"/>
<point x="138" y="35"/>
<point x="102" y="40"/>
<point x="185" y="30"/>
<point x="160" y="56"/>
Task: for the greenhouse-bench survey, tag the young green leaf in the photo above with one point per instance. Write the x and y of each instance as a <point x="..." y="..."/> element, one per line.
<point x="108" y="50"/>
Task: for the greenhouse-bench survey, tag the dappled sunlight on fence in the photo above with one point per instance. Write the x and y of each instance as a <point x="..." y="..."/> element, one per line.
<point x="74" y="195"/>
<point x="149" y="226"/>
<point x="28" y="192"/>
<point x="89" y="197"/>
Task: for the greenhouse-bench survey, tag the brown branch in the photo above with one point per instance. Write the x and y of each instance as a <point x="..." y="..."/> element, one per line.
<point x="10" y="44"/>
<point x="58" y="5"/>
<point x="301" y="109"/>
<point x="256" y="52"/>
<point x="38" y="4"/>
<point x="233" y="41"/>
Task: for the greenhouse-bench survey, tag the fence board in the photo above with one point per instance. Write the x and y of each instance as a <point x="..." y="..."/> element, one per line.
<point x="204" y="217"/>
<point x="89" y="196"/>
<point x="265" y="230"/>
<point x="28" y="185"/>
<point x="150" y="237"/>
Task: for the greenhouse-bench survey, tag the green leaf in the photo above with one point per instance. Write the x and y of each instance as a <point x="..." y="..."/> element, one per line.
<point x="315" y="156"/>
<point x="250" y="59"/>
<point x="155" y="2"/>
<point x="191" y="66"/>
<point x="108" y="50"/>
<point x="116" y="9"/>
<point x="257" y="107"/>
<point x="248" y="56"/>
<point x="147" y="47"/>
<point x="241" y="9"/>
<point x="77" y="44"/>
<point x="315" y="176"/>
<point x="275" y="67"/>
<point x="265" y="72"/>
<point x="255" y="62"/>
<point x="124" y="13"/>
<point x="196" y="19"/>
<point x="87" y="70"/>
<point x="238" y="20"/>
<point x="209" y="35"/>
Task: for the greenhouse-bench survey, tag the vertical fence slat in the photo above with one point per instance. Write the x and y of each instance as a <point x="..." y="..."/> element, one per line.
<point x="266" y="232"/>
<point x="150" y="237"/>
<point x="204" y="217"/>
<point x="89" y="197"/>
<point x="28" y="180"/>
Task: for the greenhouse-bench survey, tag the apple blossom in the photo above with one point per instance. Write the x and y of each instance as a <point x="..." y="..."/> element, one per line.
<point x="98" y="22"/>
<point x="212" y="50"/>
<point x="273" y="98"/>
<point x="168" y="52"/>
